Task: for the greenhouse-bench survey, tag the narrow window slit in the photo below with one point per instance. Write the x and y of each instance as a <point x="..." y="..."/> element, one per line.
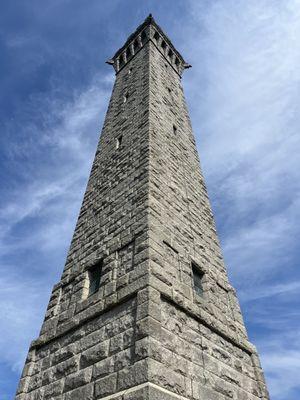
<point x="94" y="276"/>
<point x="198" y="279"/>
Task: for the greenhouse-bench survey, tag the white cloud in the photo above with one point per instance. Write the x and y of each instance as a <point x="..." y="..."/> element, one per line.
<point x="244" y="96"/>
<point x="19" y="324"/>
<point x="281" y="362"/>
<point x="270" y="291"/>
<point x="243" y="92"/>
<point x="51" y="197"/>
<point x="259" y="248"/>
<point x="75" y="137"/>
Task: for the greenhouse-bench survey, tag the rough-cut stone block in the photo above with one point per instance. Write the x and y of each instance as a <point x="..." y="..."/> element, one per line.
<point x="103" y="368"/>
<point x="66" y="367"/>
<point x="116" y="344"/>
<point x="94" y="354"/>
<point x="82" y="393"/>
<point x="54" y="389"/>
<point x="133" y="375"/>
<point x="165" y="377"/>
<point x="78" y="379"/>
<point x="105" y="386"/>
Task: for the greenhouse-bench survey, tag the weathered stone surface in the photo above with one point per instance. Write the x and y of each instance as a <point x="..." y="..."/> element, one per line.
<point x="53" y="389"/>
<point x="104" y="367"/>
<point x="66" y="367"/>
<point x="85" y="392"/>
<point x="133" y="375"/>
<point x="78" y="379"/>
<point x="94" y="354"/>
<point x="105" y="386"/>
<point x="146" y="219"/>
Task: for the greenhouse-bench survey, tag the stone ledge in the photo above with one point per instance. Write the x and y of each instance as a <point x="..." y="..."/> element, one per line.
<point x="146" y="390"/>
<point x="187" y="306"/>
<point x="247" y="347"/>
<point x="76" y="323"/>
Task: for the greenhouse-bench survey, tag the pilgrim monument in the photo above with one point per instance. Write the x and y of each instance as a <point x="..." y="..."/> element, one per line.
<point x="144" y="308"/>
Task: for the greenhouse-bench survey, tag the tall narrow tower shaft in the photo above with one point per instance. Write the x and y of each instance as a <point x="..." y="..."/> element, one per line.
<point x="144" y="308"/>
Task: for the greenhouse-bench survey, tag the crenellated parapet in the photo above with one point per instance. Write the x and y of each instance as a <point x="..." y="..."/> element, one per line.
<point x="148" y="31"/>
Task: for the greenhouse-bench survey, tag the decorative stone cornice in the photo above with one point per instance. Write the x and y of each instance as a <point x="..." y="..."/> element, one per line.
<point x="148" y="30"/>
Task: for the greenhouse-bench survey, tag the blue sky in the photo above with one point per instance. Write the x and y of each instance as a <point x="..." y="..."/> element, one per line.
<point x="243" y="95"/>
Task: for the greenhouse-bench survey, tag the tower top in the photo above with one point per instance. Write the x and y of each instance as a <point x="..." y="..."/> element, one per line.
<point x="148" y="30"/>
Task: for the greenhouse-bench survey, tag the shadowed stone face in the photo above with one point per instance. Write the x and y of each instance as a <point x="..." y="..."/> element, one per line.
<point x="144" y="308"/>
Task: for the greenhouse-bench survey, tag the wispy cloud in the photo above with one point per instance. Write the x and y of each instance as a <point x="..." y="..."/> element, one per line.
<point x="69" y="143"/>
<point x="48" y="199"/>
<point x="244" y="104"/>
<point x="247" y="120"/>
<point x="258" y="247"/>
<point x="282" y="365"/>
<point x="270" y="291"/>
<point x="16" y="326"/>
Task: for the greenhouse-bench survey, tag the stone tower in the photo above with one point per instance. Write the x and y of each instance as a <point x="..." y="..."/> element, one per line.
<point x="144" y="308"/>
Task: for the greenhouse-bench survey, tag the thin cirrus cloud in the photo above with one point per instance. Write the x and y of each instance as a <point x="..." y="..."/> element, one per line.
<point x="49" y="201"/>
<point x="282" y="365"/>
<point x="248" y="122"/>
<point x="270" y="291"/>
<point x="244" y="106"/>
<point x="70" y="139"/>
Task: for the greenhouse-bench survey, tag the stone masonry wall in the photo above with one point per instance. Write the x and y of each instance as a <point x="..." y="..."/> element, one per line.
<point x="85" y="363"/>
